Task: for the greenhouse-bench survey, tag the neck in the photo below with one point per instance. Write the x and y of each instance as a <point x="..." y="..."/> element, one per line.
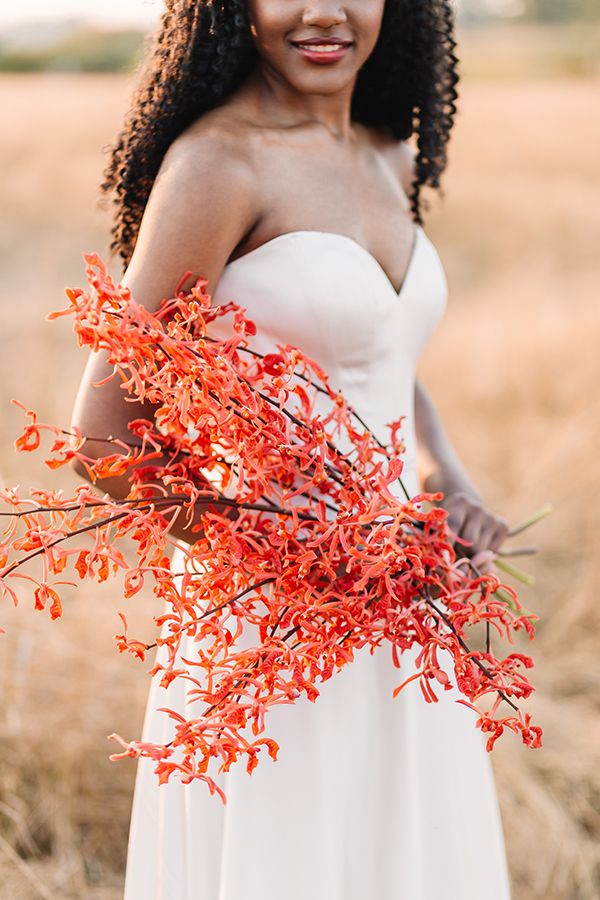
<point x="287" y="107"/>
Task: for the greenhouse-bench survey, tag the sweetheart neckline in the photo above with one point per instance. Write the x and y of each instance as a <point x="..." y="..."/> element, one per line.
<point x="418" y="231"/>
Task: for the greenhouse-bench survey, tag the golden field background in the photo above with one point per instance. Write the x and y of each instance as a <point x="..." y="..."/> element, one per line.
<point x="513" y="370"/>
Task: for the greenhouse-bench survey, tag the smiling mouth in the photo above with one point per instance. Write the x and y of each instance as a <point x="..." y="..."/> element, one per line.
<point x="322" y="51"/>
<point x="321" y="48"/>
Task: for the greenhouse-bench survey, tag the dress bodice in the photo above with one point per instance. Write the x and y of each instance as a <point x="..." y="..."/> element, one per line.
<point x="326" y="294"/>
<point x="372" y="794"/>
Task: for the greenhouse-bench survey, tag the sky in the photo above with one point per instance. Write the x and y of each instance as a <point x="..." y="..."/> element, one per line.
<point x="106" y="12"/>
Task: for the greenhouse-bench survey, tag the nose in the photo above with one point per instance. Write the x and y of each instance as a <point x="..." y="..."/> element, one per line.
<point x="324" y="13"/>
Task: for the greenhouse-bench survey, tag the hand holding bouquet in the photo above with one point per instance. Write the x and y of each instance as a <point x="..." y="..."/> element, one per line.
<point x="301" y="541"/>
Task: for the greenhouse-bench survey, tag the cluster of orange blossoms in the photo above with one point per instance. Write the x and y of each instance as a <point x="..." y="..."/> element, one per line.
<point x="321" y="558"/>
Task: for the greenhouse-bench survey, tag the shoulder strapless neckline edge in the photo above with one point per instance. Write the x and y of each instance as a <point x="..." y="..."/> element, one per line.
<point x="334" y="235"/>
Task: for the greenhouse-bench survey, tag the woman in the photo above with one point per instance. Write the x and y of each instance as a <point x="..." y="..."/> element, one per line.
<point x="266" y="150"/>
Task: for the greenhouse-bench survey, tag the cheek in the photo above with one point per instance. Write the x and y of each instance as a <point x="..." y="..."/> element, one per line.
<point x="368" y="23"/>
<point x="270" y="22"/>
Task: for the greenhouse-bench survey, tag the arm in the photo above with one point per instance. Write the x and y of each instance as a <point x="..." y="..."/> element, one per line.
<point x="202" y="203"/>
<point x="440" y="469"/>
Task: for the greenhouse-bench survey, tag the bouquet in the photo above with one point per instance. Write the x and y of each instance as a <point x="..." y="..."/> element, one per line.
<point x="302" y="542"/>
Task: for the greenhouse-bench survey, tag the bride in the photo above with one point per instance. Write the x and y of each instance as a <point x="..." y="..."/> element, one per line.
<point x="278" y="148"/>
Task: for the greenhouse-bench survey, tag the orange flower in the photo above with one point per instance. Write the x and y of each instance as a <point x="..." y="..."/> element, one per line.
<point x="42" y="594"/>
<point x="30" y="439"/>
<point x="322" y="558"/>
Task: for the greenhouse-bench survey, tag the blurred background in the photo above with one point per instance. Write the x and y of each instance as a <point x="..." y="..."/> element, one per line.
<point x="513" y="369"/>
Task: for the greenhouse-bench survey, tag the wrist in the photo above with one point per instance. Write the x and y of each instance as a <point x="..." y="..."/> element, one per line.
<point x="451" y="478"/>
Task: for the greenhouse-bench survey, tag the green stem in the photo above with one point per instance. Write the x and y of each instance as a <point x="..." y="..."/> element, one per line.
<point x="517" y="573"/>
<point x="527" y="523"/>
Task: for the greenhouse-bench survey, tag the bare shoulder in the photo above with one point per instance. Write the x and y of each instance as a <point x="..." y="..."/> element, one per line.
<point x="215" y="145"/>
<point x="402" y="156"/>
<point x="399" y="154"/>
<point x="203" y="201"/>
<point x="406" y="156"/>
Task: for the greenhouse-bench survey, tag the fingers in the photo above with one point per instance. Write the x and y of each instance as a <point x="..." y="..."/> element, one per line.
<point x="457" y="507"/>
<point x="484" y="560"/>
<point x="499" y="533"/>
<point x="470" y="521"/>
<point x="473" y="530"/>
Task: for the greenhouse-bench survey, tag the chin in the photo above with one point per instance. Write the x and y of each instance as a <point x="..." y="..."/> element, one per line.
<point x="318" y="82"/>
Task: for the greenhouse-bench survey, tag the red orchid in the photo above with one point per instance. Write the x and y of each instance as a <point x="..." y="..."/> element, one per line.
<point x="322" y="559"/>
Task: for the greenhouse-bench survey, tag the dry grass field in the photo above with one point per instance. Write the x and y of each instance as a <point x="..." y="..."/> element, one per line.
<point x="514" y="371"/>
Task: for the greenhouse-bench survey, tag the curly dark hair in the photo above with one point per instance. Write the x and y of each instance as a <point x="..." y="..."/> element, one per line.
<point x="203" y="50"/>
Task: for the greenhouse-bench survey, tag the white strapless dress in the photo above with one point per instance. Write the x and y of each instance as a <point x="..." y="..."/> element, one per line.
<point x="371" y="797"/>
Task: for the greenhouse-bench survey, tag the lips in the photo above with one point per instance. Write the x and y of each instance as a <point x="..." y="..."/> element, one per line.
<point x="322" y="49"/>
